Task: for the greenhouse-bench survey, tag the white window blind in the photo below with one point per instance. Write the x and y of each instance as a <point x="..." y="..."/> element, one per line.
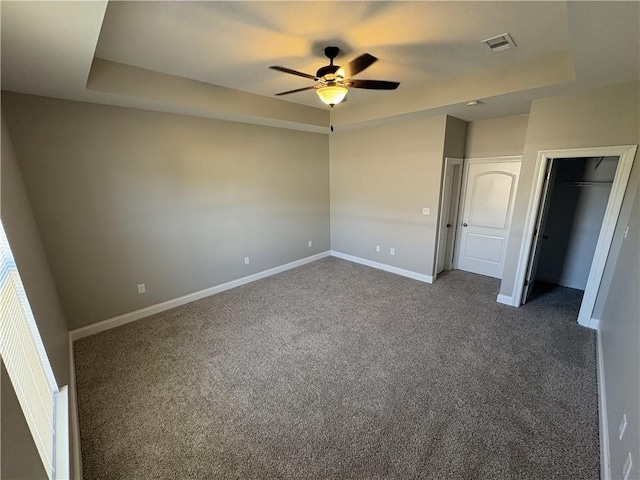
<point x="25" y="359"/>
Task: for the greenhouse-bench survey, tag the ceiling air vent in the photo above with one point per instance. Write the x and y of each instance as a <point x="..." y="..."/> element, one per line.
<point x="500" y="43"/>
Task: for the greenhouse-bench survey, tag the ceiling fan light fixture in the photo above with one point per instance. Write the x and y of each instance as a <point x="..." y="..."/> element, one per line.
<point x="332" y="94"/>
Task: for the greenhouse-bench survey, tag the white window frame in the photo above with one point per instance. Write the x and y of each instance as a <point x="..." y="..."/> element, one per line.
<point x="45" y="406"/>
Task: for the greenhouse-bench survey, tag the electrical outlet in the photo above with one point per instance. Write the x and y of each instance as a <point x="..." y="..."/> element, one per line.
<point x="309" y="243"/>
<point x="623" y="426"/>
<point x="246" y="260"/>
<point x="426" y="211"/>
<point x="626" y="469"/>
<point x="378" y="248"/>
<point x="141" y="288"/>
<point x="392" y="251"/>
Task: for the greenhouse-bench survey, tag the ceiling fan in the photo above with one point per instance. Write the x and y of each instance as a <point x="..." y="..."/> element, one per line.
<point x="333" y="81"/>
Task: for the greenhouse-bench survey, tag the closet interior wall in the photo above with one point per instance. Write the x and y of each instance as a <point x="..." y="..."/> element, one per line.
<point x="579" y="195"/>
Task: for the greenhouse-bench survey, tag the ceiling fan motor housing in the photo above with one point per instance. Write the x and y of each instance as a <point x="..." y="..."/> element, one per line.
<point x="328" y="70"/>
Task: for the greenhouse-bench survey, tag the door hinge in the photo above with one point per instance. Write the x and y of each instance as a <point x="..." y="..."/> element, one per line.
<point x="526" y="283"/>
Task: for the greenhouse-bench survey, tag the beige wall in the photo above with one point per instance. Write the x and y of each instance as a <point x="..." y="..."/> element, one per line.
<point x="19" y="456"/>
<point x="496" y="137"/>
<point x="29" y="254"/>
<point x="620" y="336"/>
<point x="126" y="196"/>
<point x="381" y="178"/>
<point x="455" y="136"/>
<point x="202" y="99"/>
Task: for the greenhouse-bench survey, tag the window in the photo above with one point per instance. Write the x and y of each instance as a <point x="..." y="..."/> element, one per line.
<point x="27" y="364"/>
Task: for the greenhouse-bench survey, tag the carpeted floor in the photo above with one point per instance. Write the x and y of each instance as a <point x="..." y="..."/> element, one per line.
<point x="339" y="371"/>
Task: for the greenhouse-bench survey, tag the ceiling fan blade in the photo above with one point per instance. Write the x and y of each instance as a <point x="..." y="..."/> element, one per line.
<point x="373" y="84"/>
<point x="296" y="90"/>
<point x="293" y="72"/>
<point x="357" y="65"/>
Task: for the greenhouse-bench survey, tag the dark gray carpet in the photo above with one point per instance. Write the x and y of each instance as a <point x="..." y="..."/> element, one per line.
<point x="338" y="371"/>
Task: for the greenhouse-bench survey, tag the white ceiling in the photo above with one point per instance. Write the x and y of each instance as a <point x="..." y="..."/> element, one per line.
<point x="233" y="43"/>
<point x="433" y="48"/>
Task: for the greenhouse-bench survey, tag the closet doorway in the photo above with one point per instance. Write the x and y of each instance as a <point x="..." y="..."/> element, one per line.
<point x="570" y="219"/>
<point x="573" y="176"/>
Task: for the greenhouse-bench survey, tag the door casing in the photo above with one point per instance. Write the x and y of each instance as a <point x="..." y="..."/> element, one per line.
<point x="626" y="154"/>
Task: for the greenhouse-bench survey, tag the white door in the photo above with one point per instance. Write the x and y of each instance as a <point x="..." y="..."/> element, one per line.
<point x="537" y="233"/>
<point x="445" y="226"/>
<point x="490" y="190"/>
<point x="451" y="182"/>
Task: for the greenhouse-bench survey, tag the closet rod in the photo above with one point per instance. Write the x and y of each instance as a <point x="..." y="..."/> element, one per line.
<point x="584" y="184"/>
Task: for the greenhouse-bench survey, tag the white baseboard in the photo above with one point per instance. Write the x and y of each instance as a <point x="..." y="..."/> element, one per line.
<point x="382" y="266"/>
<point x="506" y="300"/>
<point x="605" y="462"/>
<point x="76" y="455"/>
<point x="176" y="302"/>
<point x="592" y="323"/>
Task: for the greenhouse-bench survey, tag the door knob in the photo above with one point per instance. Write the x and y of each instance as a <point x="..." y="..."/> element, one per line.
<point x="465" y="225"/>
